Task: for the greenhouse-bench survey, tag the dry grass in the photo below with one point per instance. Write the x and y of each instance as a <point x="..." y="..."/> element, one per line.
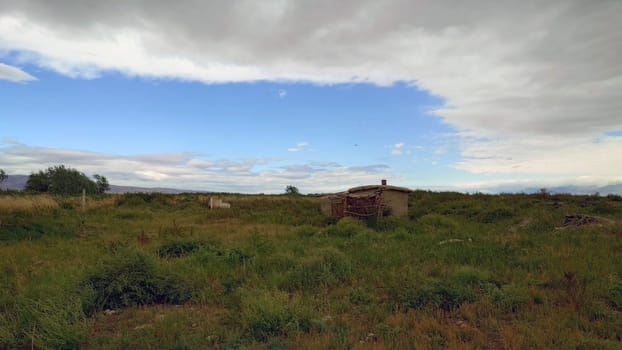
<point x="12" y="204"/>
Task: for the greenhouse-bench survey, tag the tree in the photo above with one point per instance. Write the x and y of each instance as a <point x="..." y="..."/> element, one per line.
<point x="289" y="189"/>
<point x="60" y="180"/>
<point x="101" y="183"/>
<point x="3" y="176"/>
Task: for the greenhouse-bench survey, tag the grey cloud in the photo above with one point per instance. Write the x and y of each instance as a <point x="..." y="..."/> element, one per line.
<point x="514" y="69"/>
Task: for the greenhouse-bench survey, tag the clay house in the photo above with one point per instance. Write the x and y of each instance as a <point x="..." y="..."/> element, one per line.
<point x="367" y="201"/>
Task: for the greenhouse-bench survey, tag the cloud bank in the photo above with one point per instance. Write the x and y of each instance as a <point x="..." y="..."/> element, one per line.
<point x="193" y="172"/>
<point x="524" y="82"/>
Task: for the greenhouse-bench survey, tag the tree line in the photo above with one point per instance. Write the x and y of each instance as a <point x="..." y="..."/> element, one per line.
<point x="63" y="180"/>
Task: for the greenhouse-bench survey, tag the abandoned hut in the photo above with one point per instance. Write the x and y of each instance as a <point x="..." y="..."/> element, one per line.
<point x="367" y="201"/>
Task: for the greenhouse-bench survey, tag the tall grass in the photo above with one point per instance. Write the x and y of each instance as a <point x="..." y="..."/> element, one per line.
<point x="461" y="271"/>
<point x="10" y="204"/>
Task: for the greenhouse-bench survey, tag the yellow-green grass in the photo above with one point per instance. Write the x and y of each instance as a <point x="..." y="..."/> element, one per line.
<point x="461" y="272"/>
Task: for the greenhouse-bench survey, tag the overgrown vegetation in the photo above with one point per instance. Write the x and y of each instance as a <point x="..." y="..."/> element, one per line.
<point x="164" y="271"/>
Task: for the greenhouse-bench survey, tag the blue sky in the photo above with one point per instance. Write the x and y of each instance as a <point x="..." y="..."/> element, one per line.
<point x="291" y="95"/>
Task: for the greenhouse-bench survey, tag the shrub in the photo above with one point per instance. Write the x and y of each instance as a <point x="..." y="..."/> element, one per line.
<point x="414" y="291"/>
<point x="330" y="267"/>
<point x="20" y="229"/>
<point x="306" y="231"/>
<point x="614" y="197"/>
<point x="269" y="314"/>
<point x="237" y="256"/>
<point x="394" y="223"/>
<point x="495" y="215"/>
<point x="437" y="223"/>
<point x="346" y="227"/>
<point x="176" y="249"/>
<point x="52" y="321"/>
<point x="131" y="278"/>
<point x="615" y="293"/>
<point x="510" y="298"/>
<point x="360" y="296"/>
<point x="469" y="276"/>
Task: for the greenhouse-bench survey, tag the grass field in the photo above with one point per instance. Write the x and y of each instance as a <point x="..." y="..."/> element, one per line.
<point x="154" y="271"/>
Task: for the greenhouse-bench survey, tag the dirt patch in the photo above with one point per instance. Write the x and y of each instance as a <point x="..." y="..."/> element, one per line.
<point x="110" y="322"/>
<point x="580" y="220"/>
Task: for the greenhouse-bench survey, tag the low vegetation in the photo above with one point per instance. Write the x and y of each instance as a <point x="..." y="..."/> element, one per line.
<point x="165" y="272"/>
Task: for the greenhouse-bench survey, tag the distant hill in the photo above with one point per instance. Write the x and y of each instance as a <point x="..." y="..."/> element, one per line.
<point x="602" y="190"/>
<point x="18" y="182"/>
<point x="15" y="182"/>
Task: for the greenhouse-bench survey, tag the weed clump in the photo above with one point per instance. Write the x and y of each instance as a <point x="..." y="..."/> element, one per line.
<point x="615" y="293"/>
<point x="346" y="227"/>
<point x="495" y="215"/>
<point x="176" y="249"/>
<point x="24" y="228"/>
<point x="272" y="314"/>
<point x="328" y="268"/>
<point x="510" y="298"/>
<point x="435" y="223"/>
<point x="305" y="231"/>
<point x="360" y="296"/>
<point x="131" y="278"/>
<point x="414" y="291"/>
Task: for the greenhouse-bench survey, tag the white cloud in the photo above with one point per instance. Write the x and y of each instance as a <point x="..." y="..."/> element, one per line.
<point x="515" y="75"/>
<point x="544" y="155"/>
<point x="300" y="146"/>
<point x="14" y="74"/>
<point x="189" y="171"/>
<point x="282" y="93"/>
<point x="398" y="149"/>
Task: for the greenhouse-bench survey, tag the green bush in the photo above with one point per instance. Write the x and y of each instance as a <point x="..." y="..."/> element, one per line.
<point x="52" y="321"/>
<point x="176" y="249"/>
<point x="435" y="223"/>
<point x="304" y="231"/>
<point x="470" y="276"/>
<point x="271" y="314"/>
<point x="346" y="227"/>
<point x="19" y="228"/>
<point x="360" y="296"/>
<point x="131" y="278"/>
<point x="328" y="267"/>
<point x="414" y="291"/>
<point x="237" y="256"/>
<point x="615" y="293"/>
<point x="510" y="298"/>
<point x="495" y="215"/>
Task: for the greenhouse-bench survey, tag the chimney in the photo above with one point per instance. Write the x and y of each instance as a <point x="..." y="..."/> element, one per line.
<point x="383" y="182"/>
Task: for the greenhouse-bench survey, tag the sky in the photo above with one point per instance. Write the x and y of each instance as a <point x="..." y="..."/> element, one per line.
<point x="252" y="96"/>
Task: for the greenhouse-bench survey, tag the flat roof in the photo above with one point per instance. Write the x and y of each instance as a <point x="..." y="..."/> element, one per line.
<point x="383" y="187"/>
